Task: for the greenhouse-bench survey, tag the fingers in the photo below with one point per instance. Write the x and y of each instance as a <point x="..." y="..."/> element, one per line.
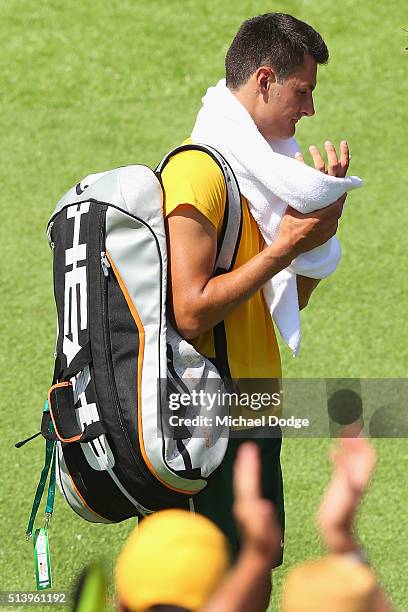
<point x="344" y="158"/>
<point x="299" y="157"/>
<point x="330" y="215"/>
<point x="332" y="161"/>
<point x="335" y="166"/>
<point x="356" y="459"/>
<point x="352" y="430"/>
<point x="360" y="449"/>
<point x="317" y="158"/>
<point x="247" y="473"/>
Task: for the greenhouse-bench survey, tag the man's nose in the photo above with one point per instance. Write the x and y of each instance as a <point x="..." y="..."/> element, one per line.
<point x="308" y="108"/>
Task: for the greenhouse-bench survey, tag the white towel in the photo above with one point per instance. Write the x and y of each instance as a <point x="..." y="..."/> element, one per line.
<point x="270" y="178"/>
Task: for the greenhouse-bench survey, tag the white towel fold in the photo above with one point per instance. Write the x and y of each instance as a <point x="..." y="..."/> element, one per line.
<point x="270" y="179"/>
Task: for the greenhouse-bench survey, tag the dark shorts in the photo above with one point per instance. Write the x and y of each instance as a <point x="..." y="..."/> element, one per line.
<point x="217" y="499"/>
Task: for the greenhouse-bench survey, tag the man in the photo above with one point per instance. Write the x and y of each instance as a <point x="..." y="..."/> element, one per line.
<point x="271" y="68"/>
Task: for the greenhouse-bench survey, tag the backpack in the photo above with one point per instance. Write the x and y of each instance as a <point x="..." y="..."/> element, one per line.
<point x="118" y="356"/>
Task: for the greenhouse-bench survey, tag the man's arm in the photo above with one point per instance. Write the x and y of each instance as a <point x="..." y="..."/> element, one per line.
<point x="199" y="300"/>
<point x="353" y="464"/>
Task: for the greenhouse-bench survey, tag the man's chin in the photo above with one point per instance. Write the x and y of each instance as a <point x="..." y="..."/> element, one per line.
<point x="283" y="134"/>
<point x="288" y="133"/>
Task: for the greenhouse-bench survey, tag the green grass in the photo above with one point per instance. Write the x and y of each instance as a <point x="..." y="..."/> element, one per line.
<point x="88" y="86"/>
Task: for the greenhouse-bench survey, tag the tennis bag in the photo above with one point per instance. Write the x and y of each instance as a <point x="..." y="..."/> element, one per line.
<point x="117" y="356"/>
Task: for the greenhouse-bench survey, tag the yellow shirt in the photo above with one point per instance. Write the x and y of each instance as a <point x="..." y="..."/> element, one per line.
<point x="193" y="177"/>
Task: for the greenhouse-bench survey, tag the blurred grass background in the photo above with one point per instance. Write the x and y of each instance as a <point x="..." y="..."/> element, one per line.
<point x="93" y="85"/>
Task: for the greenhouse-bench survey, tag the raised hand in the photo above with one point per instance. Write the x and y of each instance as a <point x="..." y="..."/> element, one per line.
<point x="255" y="515"/>
<point x="353" y="464"/>
<point x="336" y="166"/>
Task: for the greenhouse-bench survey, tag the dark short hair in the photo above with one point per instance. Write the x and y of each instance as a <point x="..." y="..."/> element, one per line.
<point x="276" y="40"/>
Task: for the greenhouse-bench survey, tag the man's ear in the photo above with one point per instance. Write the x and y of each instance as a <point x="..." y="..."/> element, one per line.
<point x="265" y="77"/>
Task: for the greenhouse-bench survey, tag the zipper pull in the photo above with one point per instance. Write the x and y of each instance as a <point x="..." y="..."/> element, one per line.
<point x="49" y="237"/>
<point x="105" y="264"/>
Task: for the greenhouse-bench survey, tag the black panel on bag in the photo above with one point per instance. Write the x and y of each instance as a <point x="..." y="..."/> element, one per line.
<point x="124" y="342"/>
<point x="96" y="487"/>
<point x="63" y="239"/>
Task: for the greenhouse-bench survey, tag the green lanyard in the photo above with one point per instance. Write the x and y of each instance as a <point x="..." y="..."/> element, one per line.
<point x="49" y="462"/>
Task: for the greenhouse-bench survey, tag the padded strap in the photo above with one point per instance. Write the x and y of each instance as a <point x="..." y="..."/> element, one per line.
<point x="61" y="403"/>
<point x="231" y="230"/>
<point x="92" y="431"/>
<point x="228" y="242"/>
<point x="221" y="350"/>
<point x="81" y="359"/>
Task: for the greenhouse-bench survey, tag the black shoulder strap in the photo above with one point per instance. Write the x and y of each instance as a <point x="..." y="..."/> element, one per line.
<point x="228" y="242"/>
<point x="231" y="230"/>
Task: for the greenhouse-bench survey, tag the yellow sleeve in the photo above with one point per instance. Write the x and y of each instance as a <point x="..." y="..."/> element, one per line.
<point x="193" y="177"/>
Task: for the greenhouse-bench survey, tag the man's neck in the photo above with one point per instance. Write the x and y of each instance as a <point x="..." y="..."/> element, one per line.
<point x="247" y="98"/>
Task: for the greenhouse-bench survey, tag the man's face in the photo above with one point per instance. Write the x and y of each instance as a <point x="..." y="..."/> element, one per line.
<point x="287" y="102"/>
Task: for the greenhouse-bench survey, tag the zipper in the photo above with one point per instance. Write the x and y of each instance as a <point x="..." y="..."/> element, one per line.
<point x="109" y="276"/>
<point x="105" y="263"/>
<point x="105" y="266"/>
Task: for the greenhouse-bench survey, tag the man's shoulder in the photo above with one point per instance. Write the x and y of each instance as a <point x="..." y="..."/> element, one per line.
<point x="193" y="166"/>
<point x="193" y="177"/>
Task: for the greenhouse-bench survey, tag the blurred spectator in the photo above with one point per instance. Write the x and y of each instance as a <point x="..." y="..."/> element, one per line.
<point x="342" y="581"/>
<point x="173" y="561"/>
<point x="332" y="584"/>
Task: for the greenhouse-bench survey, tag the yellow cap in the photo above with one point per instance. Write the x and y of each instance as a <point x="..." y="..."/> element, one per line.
<point x="174" y="557"/>
<point x="335" y="583"/>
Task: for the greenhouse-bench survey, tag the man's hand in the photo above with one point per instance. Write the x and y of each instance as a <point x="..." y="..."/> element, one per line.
<point x="335" y="166"/>
<point x="199" y="300"/>
<point x="299" y="233"/>
<point x="255" y="516"/>
<point x="305" y="232"/>
<point x="353" y="464"/>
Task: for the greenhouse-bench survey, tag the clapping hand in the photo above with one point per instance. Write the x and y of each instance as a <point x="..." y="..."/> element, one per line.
<point x="353" y="461"/>
<point x="255" y="515"/>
